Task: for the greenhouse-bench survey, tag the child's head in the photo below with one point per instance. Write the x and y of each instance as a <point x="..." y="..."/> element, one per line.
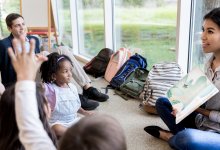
<point x="57" y="69"/>
<point x="8" y="126"/>
<point x="99" y="132"/>
<point x="211" y="32"/>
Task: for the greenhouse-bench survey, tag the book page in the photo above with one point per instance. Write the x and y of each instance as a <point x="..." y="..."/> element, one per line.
<point x="190" y="92"/>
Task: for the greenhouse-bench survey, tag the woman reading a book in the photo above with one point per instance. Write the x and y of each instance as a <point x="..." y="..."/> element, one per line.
<point x="200" y="129"/>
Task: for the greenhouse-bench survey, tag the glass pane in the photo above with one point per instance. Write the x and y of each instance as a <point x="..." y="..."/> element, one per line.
<point x="148" y="27"/>
<point x="7" y="7"/>
<point x="64" y="22"/>
<point x="201" y="7"/>
<point x="91" y="27"/>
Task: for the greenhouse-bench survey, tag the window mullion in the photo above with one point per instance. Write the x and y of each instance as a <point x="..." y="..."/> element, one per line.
<point x="183" y="33"/>
<point x="74" y="20"/>
<point x="109" y="23"/>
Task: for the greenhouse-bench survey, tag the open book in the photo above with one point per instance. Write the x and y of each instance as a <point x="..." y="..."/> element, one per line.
<point x="190" y="92"/>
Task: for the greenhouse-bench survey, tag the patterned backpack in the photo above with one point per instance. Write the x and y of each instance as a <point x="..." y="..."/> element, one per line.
<point x="160" y="79"/>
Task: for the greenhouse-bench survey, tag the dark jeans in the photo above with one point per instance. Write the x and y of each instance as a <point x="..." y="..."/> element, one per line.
<point x="164" y="109"/>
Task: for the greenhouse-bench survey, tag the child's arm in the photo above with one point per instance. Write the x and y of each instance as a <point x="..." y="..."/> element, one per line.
<point x="85" y="112"/>
<point x="81" y="110"/>
<point x="31" y="132"/>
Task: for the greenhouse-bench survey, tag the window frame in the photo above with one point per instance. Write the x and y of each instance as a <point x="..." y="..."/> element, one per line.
<point x="184" y="11"/>
<point x="183" y="42"/>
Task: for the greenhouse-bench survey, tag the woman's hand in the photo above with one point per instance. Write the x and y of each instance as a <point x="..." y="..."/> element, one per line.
<point x="25" y="64"/>
<point x="174" y="112"/>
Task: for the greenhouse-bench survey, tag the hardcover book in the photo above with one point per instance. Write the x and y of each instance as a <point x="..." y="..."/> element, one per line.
<point x="193" y="90"/>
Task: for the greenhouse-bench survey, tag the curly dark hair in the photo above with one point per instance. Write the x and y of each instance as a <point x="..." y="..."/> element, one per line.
<point x="51" y="66"/>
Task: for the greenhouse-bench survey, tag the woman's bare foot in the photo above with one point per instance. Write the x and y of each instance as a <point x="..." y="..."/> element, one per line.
<point x="165" y="135"/>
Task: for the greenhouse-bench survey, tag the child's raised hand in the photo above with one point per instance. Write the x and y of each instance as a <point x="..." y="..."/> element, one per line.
<point x="25" y="63"/>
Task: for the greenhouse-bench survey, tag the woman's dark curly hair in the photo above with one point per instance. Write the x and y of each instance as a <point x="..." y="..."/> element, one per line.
<point x="48" y="68"/>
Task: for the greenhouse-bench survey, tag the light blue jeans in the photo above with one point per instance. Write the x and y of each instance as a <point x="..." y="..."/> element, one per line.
<point x="194" y="139"/>
<point x="185" y="137"/>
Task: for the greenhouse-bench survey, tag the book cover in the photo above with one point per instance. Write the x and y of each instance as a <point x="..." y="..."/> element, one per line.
<point x="193" y="90"/>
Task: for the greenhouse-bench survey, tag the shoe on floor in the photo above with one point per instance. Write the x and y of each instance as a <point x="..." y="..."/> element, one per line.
<point x="94" y="94"/>
<point x="154" y="131"/>
<point x="88" y="104"/>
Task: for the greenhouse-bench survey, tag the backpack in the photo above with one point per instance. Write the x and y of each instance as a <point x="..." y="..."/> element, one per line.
<point x="134" y="84"/>
<point x="160" y="79"/>
<point x="116" y="61"/>
<point x="97" y="66"/>
<point x="135" y="61"/>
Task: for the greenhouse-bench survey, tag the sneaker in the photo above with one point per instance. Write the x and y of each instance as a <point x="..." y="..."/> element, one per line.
<point x="88" y="104"/>
<point x="93" y="93"/>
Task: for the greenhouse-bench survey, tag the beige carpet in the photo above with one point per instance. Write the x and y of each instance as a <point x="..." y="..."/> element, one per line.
<point x="132" y="119"/>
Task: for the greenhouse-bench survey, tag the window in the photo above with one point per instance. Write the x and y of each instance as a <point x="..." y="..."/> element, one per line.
<point x="7" y="7"/>
<point x="90" y="19"/>
<point x="64" y="22"/>
<point x="114" y="24"/>
<point x="200" y="8"/>
<point x="147" y="27"/>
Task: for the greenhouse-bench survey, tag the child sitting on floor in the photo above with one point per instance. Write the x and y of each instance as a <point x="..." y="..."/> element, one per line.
<point x="33" y="136"/>
<point x="61" y="94"/>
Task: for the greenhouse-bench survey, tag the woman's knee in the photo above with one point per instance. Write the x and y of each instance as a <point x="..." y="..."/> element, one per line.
<point x="161" y="102"/>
